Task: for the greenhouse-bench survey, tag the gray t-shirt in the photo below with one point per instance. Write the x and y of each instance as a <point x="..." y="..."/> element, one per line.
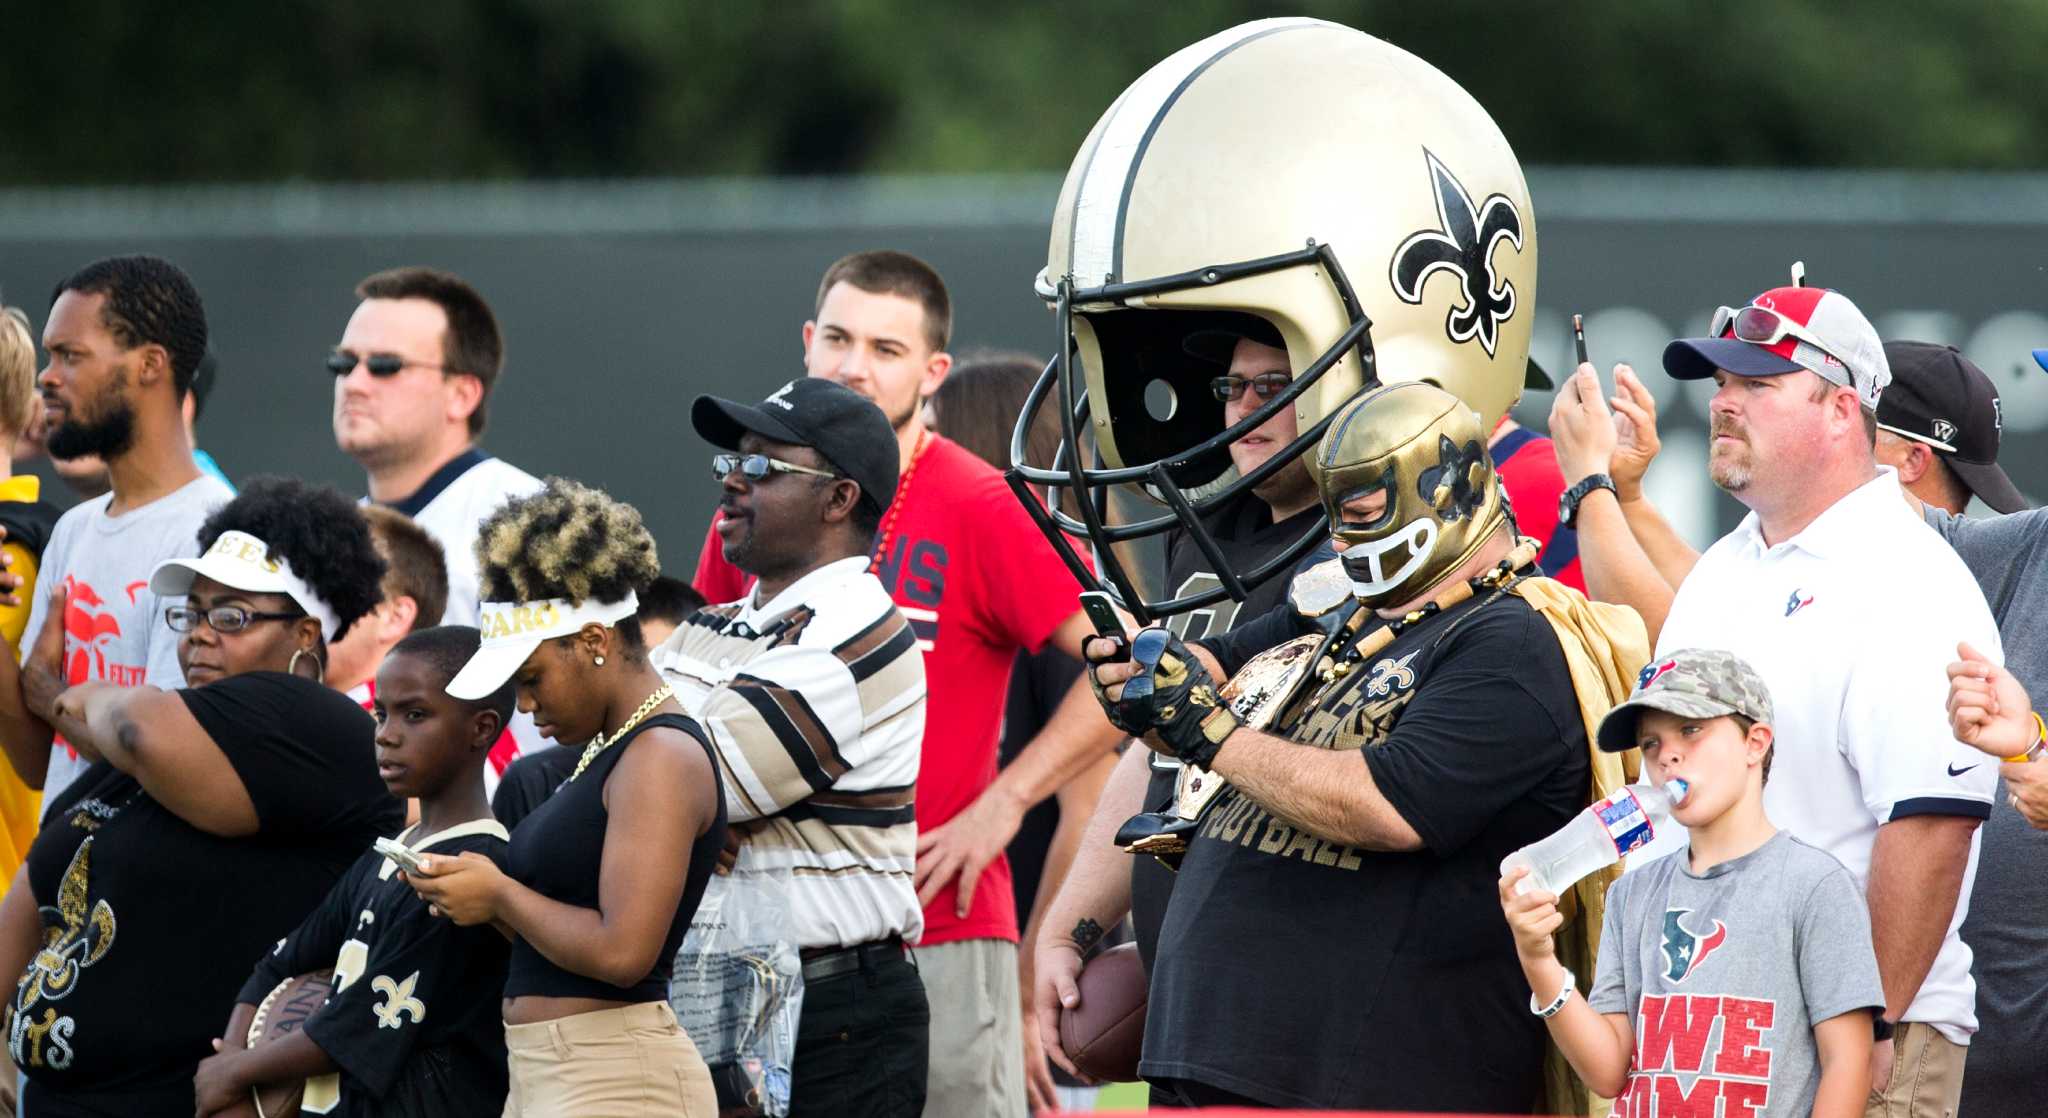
<point x="114" y="628"/>
<point x="2007" y="928"/>
<point x="1724" y="975"/>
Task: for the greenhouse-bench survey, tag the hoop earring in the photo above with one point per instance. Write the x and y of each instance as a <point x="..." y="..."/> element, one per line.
<point x="600" y="661"/>
<point x="319" y="669"/>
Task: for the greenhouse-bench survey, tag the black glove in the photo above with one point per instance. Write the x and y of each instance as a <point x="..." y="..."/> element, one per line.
<point x="1172" y="696"/>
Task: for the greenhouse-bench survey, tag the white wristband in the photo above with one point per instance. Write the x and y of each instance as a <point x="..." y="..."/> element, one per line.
<point x="1571" y="983"/>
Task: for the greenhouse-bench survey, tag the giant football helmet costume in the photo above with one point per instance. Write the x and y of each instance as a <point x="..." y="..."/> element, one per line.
<point x="1303" y="173"/>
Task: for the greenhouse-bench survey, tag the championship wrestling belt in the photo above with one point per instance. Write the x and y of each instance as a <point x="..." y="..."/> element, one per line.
<point x="1256" y="694"/>
<point x="1276" y="687"/>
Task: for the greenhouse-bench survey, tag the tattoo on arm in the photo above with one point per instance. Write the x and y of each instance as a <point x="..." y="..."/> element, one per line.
<point x="1087" y="933"/>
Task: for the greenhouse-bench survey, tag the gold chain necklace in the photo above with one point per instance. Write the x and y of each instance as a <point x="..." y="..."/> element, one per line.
<point x="599" y="743"/>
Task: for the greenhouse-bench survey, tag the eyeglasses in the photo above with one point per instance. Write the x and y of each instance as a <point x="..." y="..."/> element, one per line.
<point x="342" y="362"/>
<point x="1762" y="326"/>
<point x="1267" y="385"/>
<point x="756" y="467"/>
<point x="222" y="619"/>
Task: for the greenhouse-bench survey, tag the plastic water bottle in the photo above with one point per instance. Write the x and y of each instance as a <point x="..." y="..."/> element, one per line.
<point x="1597" y="837"/>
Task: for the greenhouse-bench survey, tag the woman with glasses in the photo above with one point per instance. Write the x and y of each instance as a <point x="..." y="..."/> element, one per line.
<point x="212" y="818"/>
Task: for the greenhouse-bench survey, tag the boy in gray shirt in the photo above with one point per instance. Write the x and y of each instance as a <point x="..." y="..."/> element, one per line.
<point x="1736" y="977"/>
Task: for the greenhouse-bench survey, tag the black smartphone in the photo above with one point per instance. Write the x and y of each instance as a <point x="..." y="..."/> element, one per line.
<point x="1101" y="610"/>
<point x="1579" y="337"/>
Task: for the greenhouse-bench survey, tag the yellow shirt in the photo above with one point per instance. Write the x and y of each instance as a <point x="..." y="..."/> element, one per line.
<point x="20" y="805"/>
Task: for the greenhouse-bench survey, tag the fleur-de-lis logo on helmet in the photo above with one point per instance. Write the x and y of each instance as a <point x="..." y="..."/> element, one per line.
<point x="1462" y="244"/>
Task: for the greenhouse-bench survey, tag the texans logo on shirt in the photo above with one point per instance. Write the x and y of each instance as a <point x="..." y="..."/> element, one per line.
<point x="1799" y="600"/>
<point x="1685" y="950"/>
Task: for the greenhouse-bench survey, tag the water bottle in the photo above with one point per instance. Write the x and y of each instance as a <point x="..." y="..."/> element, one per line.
<point x="1597" y="837"/>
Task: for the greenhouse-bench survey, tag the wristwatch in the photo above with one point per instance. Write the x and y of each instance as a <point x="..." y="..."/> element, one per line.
<point x="1881" y="1030"/>
<point x="1568" y="502"/>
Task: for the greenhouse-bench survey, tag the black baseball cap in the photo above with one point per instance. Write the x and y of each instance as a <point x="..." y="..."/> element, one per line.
<point x="1939" y="398"/>
<point x="842" y="425"/>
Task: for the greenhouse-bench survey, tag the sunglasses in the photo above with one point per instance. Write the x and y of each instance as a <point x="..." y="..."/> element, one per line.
<point x="222" y="619"/>
<point x="1761" y="326"/>
<point x="757" y="467"/>
<point x="1267" y="385"/>
<point x="341" y="363"/>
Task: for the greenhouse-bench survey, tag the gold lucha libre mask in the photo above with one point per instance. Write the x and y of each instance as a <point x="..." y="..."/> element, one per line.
<point x="1426" y="451"/>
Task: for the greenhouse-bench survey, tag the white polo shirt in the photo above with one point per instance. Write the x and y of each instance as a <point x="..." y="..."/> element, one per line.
<point x="1852" y="624"/>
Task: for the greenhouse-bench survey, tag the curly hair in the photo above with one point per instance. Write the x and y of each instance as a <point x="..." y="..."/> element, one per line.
<point x="566" y="541"/>
<point x="316" y="530"/>
<point x="149" y="301"/>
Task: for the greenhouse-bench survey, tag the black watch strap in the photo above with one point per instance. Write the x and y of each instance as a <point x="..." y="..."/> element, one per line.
<point x="1881" y="1030"/>
<point x="1568" y="505"/>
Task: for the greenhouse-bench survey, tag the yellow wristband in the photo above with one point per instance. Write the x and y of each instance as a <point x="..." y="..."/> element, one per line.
<point x="2040" y="745"/>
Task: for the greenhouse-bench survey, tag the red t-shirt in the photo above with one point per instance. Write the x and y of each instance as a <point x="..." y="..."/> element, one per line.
<point x="978" y="583"/>
<point x="1527" y="464"/>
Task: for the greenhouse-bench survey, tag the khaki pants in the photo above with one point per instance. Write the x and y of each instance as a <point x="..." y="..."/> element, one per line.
<point x="630" y="1062"/>
<point x="977" y="1053"/>
<point x="1927" y="1076"/>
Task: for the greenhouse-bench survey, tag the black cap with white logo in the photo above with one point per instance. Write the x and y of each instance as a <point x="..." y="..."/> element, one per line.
<point x="1939" y="398"/>
<point x="837" y="422"/>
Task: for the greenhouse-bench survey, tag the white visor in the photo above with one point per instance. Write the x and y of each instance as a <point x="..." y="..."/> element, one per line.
<point x="242" y="562"/>
<point x="512" y="630"/>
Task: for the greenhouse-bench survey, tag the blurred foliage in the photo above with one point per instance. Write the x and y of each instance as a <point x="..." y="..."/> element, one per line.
<point x="128" y="91"/>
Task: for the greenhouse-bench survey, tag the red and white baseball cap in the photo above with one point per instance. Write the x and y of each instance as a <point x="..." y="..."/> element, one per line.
<point x="1784" y="330"/>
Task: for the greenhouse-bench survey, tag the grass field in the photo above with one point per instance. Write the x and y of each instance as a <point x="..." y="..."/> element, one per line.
<point x="1123" y="1096"/>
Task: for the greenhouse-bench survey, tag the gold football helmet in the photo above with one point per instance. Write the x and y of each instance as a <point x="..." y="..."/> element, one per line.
<point x="1286" y="175"/>
<point x="1427" y="452"/>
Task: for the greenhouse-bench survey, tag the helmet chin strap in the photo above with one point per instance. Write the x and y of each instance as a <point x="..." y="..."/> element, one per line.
<point x="1419" y="538"/>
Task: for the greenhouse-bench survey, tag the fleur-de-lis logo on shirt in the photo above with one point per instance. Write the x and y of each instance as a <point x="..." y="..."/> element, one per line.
<point x="398" y="1003"/>
<point x="1462" y="244"/>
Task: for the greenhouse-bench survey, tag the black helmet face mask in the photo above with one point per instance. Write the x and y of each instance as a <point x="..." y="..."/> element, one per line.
<point x="1179" y="452"/>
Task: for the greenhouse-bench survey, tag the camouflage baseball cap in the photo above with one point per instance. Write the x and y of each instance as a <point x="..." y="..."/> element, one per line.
<point x="1690" y="683"/>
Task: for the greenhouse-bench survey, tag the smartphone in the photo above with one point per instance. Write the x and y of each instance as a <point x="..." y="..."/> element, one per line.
<point x="405" y="856"/>
<point x="1579" y="337"/>
<point x="1101" y="610"/>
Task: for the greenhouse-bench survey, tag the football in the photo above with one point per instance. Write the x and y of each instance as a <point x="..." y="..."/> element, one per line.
<point x="1103" y="1034"/>
<point x="283" y="1012"/>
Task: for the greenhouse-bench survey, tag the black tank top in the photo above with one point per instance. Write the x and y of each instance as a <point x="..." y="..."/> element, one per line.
<point x="556" y="852"/>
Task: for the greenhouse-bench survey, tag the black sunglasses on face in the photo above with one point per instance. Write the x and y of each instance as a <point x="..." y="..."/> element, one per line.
<point x="222" y="619"/>
<point x="756" y="467"/>
<point x="341" y="363"/>
<point x="1267" y="385"/>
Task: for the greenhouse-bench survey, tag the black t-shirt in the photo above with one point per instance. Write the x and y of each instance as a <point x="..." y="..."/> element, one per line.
<point x="415" y="1022"/>
<point x="558" y="852"/>
<point x="530" y="780"/>
<point x="1038" y="681"/>
<point x="1248" y="537"/>
<point x="1308" y="973"/>
<point x="153" y="923"/>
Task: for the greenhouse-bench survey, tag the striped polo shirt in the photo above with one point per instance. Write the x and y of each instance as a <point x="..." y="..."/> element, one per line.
<point x="815" y="703"/>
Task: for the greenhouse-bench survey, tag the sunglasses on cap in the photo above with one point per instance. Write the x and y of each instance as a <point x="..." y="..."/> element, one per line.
<point x="342" y="362"/>
<point x="756" y="467"/>
<point x="1267" y="385"/>
<point x="1761" y="326"/>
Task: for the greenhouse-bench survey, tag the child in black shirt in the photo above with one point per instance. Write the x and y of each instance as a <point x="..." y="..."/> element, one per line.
<point x="412" y="1028"/>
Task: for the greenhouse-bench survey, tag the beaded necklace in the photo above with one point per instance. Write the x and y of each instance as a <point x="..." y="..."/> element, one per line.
<point x="599" y="743"/>
<point x="887" y="535"/>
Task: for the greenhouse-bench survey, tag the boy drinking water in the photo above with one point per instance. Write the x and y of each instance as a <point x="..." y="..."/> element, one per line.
<point x="1738" y="971"/>
<point x="412" y="1028"/>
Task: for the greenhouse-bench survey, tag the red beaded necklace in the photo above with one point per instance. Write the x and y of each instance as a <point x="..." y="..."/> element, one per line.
<point x="884" y="537"/>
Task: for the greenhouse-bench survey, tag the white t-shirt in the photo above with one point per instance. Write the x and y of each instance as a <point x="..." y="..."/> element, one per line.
<point x="1852" y="624"/>
<point x="114" y="627"/>
<point x="450" y="506"/>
